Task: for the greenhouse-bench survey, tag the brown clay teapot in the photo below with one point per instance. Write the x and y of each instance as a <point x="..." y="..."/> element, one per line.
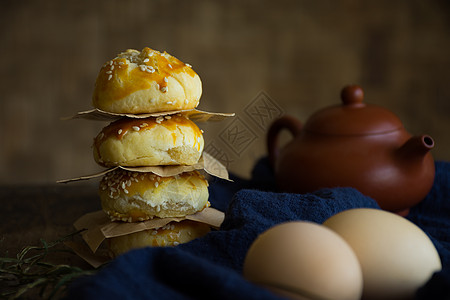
<point x="354" y="145"/>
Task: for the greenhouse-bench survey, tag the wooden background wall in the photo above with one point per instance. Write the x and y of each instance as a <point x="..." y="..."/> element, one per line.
<point x="293" y="55"/>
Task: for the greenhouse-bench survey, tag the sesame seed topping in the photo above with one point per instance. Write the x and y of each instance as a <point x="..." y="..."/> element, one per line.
<point x="143" y="125"/>
<point x="166" y="80"/>
<point x="136" y="128"/>
<point x="108" y="72"/>
<point x="188" y="65"/>
<point x="164" y="89"/>
<point x="168" y="117"/>
<point x="119" y="131"/>
<point x="156" y="183"/>
<point x="109" y="77"/>
<point x="157" y="86"/>
<point x="146" y="60"/>
<point x="169" y="102"/>
<point x="176" y="243"/>
<point x="170" y="66"/>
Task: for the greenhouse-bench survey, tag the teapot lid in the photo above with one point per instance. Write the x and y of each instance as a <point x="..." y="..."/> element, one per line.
<point x="353" y="117"/>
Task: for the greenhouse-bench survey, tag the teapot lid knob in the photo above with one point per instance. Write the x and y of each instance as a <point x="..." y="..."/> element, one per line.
<point x="352" y="95"/>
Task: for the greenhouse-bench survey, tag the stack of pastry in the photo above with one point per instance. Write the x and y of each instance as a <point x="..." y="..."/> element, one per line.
<point x="149" y="82"/>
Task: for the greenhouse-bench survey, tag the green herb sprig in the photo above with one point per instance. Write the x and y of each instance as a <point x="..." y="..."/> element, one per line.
<point x="28" y="272"/>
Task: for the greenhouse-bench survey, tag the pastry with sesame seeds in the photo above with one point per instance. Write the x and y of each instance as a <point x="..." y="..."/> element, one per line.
<point x="172" y="234"/>
<point x="146" y="81"/>
<point x="149" y="195"/>
<point x="169" y="140"/>
<point x="134" y="196"/>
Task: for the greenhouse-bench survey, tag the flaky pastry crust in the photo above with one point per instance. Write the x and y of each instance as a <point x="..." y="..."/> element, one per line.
<point x="169" y="140"/>
<point x="134" y="196"/>
<point x="146" y="81"/>
<point x="172" y="234"/>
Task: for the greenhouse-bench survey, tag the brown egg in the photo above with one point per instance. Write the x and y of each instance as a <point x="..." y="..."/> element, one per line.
<point x="304" y="260"/>
<point x="396" y="256"/>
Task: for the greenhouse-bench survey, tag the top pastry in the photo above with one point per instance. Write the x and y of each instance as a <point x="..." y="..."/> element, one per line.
<point x="147" y="81"/>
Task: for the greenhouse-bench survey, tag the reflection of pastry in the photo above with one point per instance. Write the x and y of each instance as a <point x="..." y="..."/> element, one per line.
<point x="169" y="140"/>
<point x="148" y="81"/>
<point x="172" y="234"/>
<point x="134" y="196"/>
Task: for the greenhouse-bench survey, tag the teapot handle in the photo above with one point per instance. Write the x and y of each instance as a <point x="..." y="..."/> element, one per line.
<point x="290" y="123"/>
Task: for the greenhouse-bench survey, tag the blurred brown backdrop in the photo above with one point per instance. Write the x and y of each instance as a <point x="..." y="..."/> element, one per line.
<point x="294" y="55"/>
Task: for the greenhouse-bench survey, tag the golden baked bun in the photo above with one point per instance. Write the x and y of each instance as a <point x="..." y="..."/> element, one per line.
<point x="144" y="82"/>
<point x="169" y="140"/>
<point x="135" y="196"/>
<point x="172" y="234"/>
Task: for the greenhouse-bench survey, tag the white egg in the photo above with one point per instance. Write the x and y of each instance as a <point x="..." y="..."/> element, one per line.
<point x="396" y="256"/>
<point x="304" y="260"/>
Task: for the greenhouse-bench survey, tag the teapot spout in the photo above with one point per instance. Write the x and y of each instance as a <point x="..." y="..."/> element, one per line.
<point x="416" y="147"/>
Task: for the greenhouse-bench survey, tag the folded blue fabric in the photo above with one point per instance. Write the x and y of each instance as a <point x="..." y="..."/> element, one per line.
<point x="211" y="267"/>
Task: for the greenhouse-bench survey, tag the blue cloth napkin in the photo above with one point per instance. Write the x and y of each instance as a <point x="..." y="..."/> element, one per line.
<point x="211" y="267"/>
